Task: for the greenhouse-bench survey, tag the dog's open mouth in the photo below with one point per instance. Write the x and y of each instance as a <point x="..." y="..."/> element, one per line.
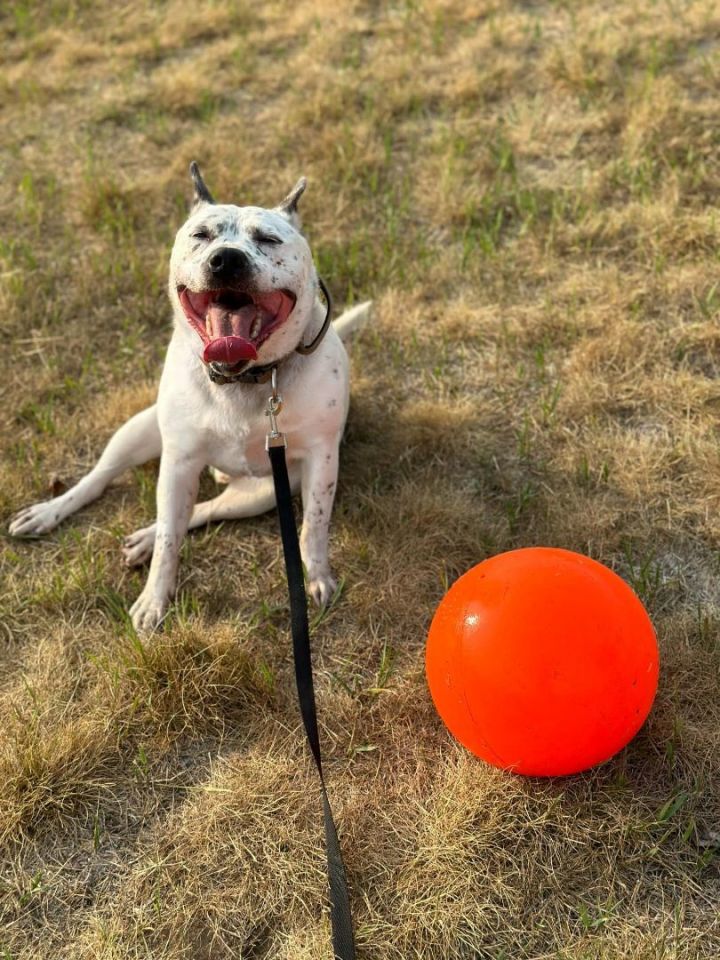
<point x="233" y="324"/>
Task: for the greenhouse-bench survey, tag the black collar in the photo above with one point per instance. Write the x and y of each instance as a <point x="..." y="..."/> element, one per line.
<point x="263" y="372"/>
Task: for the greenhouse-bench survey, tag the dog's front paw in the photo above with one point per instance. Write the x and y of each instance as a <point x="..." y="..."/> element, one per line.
<point x="36" y="520"/>
<point x="321" y="588"/>
<point x="148" y="611"/>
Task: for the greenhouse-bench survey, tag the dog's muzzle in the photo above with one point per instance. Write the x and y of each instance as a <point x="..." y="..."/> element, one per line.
<point x="233" y="323"/>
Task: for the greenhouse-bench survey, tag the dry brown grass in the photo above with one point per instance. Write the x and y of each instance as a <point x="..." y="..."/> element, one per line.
<point x="529" y="192"/>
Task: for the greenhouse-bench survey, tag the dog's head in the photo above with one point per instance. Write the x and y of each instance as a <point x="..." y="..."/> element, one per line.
<point x="242" y="280"/>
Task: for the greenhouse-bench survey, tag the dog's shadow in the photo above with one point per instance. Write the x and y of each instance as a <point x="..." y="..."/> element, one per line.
<point x="428" y="484"/>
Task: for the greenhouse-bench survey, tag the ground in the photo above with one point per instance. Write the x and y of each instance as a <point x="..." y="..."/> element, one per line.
<point x="528" y="191"/>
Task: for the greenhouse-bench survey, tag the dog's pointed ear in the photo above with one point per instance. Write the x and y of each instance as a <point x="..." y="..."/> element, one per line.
<point x="201" y="193"/>
<point x="288" y="207"/>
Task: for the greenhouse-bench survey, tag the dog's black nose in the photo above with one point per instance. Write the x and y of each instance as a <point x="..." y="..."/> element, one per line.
<point x="228" y="263"/>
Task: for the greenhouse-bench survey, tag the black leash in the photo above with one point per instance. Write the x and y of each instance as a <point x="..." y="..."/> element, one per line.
<point x="340" y="916"/>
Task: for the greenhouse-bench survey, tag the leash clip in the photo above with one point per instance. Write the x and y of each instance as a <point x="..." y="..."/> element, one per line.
<point x="274" y="405"/>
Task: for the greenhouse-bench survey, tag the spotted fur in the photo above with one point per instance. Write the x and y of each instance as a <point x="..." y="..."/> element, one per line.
<point x="197" y="423"/>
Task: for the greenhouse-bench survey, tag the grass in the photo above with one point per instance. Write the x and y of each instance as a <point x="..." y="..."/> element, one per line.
<point x="529" y="193"/>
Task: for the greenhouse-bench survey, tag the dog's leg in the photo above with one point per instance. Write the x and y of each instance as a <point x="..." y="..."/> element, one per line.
<point x="243" y="497"/>
<point x="319" y="480"/>
<point x="134" y="443"/>
<point x="176" y="492"/>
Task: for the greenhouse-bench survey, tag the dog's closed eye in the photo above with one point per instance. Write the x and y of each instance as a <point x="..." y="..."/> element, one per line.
<point x="201" y="235"/>
<point x="260" y="237"/>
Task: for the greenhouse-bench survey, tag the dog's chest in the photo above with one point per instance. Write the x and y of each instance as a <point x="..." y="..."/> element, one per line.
<point x="235" y="439"/>
<point x="235" y="444"/>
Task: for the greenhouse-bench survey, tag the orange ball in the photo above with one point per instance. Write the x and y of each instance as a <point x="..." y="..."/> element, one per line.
<point x="542" y="661"/>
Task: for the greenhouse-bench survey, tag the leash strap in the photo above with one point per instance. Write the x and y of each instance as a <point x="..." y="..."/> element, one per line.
<point x="340" y="916"/>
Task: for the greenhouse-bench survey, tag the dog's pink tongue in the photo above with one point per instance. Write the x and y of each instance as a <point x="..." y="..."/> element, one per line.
<point x="229" y="350"/>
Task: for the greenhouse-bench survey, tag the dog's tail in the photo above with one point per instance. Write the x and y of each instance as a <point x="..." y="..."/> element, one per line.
<point x="353" y="319"/>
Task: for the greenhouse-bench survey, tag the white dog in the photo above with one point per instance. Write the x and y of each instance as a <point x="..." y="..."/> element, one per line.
<point x="245" y="297"/>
